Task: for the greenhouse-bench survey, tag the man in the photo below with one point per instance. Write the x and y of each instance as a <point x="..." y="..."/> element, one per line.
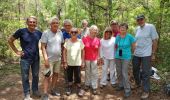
<point x="29" y="39"/>
<point x="51" y="41"/>
<point x="85" y="29"/>
<point x="67" y="27"/>
<point x="146" y="45"/>
<point x="115" y="27"/>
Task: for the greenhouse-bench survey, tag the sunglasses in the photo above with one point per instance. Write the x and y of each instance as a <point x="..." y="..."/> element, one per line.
<point x="74" y="32"/>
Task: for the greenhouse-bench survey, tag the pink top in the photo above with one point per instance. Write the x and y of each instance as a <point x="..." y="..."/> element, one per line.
<point x="91" y="47"/>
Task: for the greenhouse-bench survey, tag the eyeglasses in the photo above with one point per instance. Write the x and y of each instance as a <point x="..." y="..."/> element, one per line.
<point x="139" y="19"/>
<point x="74" y="32"/>
<point x="108" y="31"/>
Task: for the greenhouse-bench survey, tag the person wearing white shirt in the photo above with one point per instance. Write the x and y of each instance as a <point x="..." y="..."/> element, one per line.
<point x="107" y="57"/>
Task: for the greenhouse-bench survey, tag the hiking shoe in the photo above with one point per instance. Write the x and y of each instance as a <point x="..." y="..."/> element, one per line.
<point x="86" y="88"/>
<point x="27" y="97"/>
<point x="102" y="86"/>
<point x="45" y="97"/>
<point x="95" y="92"/>
<point x="127" y="94"/>
<point x="68" y="91"/>
<point x="80" y="92"/>
<point x="145" y="95"/>
<point x="55" y="93"/>
<point x="36" y="94"/>
<point x="119" y="88"/>
<point x="114" y="85"/>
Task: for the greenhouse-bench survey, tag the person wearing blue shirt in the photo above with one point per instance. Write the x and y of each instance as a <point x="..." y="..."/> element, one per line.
<point x="125" y="44"/>
<point x="29" y="40"/>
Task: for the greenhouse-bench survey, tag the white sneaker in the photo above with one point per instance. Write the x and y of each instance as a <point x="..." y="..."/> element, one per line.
<point x="27" y="97"/>
<point x="145" y="95"/>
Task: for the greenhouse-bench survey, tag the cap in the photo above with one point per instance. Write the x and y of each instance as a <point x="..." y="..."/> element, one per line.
<point x="141" y="16"/>
<point x="113" y="22"/>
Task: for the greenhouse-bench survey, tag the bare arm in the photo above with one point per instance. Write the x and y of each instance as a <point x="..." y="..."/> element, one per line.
<point x="154" y="48"/>
<point x="82" y="58"/>
<point x="133" y="47"/>
<point x="65" y="58"/>
<point x="11" y="44"/>
<point x="44" y="53"/>
<point x="154" y="45"/>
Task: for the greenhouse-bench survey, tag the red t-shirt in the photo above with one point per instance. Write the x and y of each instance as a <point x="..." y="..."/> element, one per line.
<point x="91" y="47"/>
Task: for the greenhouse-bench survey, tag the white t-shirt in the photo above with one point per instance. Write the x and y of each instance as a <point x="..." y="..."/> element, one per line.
<point x="53" y="41"/>
<point x="107" y="48"/>
<point x="74" y="52"/>
<point x="144" y="36"/>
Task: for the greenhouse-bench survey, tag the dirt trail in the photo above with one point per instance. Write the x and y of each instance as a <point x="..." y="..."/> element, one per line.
<point x="11" y="89"/>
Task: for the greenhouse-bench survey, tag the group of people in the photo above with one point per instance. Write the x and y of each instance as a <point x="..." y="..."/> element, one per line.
<point x="73" y="49"/>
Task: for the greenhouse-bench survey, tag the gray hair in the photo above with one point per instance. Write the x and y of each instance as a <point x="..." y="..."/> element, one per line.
<point x="68" y="21"/>
<point x="84" y="20"/>
<point x="52" y="19"/>
<point x="94" y="27"/>
<point x="34" y="17"/>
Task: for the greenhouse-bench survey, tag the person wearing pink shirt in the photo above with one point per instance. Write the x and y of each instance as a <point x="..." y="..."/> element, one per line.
<point x="92" y="44"/>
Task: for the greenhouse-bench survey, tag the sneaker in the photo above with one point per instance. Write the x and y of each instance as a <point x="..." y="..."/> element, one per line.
<point x="80" y="92"/>
<point x="127" y="94"/>
<point x="86" y="88"/>
<point x="94" y="92"/>
<point x="102" y="86"/>
<point x="36" y="94"/>
<point x="55" y="93"/>
<point x="27" y="97"/>
<point x="119" y="88"/>
<point x="145" y="95"/>
<point x="68" y="91"/>
<point x="45" y="97"/>
<point x="114" y="85"/>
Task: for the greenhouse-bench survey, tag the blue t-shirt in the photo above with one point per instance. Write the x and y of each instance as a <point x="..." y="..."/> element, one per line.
<point x="67" y="35"/>
<point x="29" y="43"/>
<point x="125" y="45"/>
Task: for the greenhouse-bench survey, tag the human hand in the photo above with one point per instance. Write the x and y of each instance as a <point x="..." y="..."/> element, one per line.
<point x="20" y="53"/>
<point x="46" y="63"/>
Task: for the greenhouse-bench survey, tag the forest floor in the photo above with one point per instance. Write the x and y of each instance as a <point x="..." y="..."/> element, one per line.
<point x="11" y="87"/>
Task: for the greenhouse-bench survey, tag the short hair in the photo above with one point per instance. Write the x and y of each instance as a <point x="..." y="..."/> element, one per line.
<point x="125" y="25"/>
<point x="113" y="22"/>
<point x="84" y="20"/>
<point x="94" y="27"/>
<point x="67" y="21"/>
<point x="31" y="17"/>
<point x="52" y="19"/>
<point x="107" y="29"/>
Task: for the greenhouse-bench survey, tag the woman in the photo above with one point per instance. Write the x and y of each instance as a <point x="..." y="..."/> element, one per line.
<point x="73" y="60"/>
<point x="125" y="42"/>
<point x="92" y="44"/>
<point x="107" y="56"/>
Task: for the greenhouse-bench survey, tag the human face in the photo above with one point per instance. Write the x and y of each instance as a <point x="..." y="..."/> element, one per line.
<point x="67" y="27"/>
<point x="74" y="33"/>
<point x="32" y="23"/>
<point x="54" y="25"/>
<point x="115" y="27"/>
<point x="107" y="35"/>
<point x="93" y="32"/>
<point x="123" y="30"/>
<point x="141" y="22"/>
<point x="85" y="24"/>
